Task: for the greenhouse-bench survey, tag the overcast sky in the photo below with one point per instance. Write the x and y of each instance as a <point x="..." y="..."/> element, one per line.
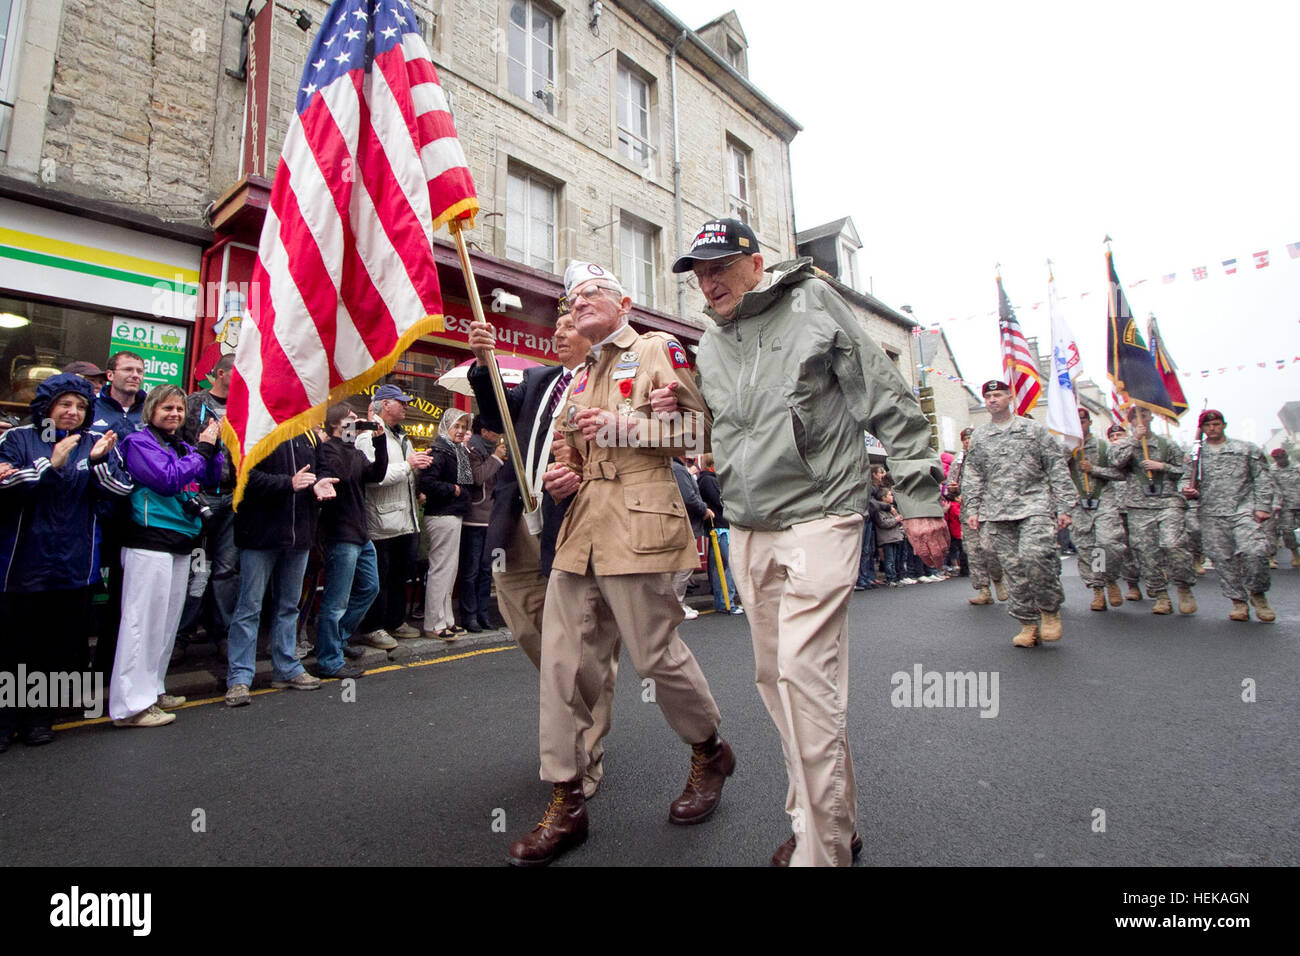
<point x="961" y="135"/>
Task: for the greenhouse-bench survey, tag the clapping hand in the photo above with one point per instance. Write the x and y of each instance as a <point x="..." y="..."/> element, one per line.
<point x="59" y="457"/>
<point x="325" y="489"/>
<point x="103" y="447"/>
<point x="303" y="478"/>
<point x="211" y="433"/>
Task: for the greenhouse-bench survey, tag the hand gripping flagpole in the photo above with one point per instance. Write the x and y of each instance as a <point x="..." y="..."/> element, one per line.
<point x="498" y="387"/>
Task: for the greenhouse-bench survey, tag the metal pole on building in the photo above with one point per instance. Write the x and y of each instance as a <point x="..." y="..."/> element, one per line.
<point x="498" y="387"/>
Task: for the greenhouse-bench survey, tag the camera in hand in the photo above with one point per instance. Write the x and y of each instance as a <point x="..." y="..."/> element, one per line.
<point x="195" y="508"/>
<point x="361" y="425"/>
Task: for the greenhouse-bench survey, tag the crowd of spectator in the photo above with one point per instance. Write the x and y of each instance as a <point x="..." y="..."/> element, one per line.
<point x="122" y="497"/>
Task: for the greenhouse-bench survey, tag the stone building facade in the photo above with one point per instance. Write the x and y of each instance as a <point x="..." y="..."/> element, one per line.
<point x="127" y="157"/>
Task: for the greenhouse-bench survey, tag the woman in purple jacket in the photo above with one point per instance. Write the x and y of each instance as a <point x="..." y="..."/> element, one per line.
<point x="165" y="523"/>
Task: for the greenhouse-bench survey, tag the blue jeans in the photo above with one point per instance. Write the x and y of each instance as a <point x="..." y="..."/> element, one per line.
<point x="351" y="583"/>
<point x="893" y="552"/>
<point x="257" y="569"/>
<point x="867" y="563"/>
<point x="723" y="546"/>
<point x="475" y="574"/>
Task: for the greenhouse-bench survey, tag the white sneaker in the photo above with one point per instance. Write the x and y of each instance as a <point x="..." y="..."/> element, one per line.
<point x="907" y="581"/>
<point x="302" y="649"/>
<point x="737" y="610"/>
<point x="690" y="612"/>
<point x="380" y="639"/>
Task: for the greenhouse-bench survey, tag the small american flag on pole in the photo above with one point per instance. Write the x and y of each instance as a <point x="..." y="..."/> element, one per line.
<point x="345" y="278"/>
<point x="1019" y="365"/>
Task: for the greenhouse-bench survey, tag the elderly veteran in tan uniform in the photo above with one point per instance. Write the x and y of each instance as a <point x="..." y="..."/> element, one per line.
<point x="624" y="534"/>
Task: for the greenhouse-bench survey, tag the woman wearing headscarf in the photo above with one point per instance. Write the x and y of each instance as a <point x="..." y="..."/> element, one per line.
<point x="447" y="485"/>
<point x="166" y="520"/>
<point x="56" y="476"/>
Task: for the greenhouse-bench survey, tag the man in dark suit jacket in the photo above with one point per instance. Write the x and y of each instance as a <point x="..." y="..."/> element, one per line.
<point x="521" y="560"/>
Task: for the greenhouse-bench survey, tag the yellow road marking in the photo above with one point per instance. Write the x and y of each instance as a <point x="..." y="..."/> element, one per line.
<point x="70" y="725"/>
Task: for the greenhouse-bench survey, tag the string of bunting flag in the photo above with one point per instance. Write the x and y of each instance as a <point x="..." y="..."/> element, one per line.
<point x="1277" y="364"/>
<point x="1260" y="260"/>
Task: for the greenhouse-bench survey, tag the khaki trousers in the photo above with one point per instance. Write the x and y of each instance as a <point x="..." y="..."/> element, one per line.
<point x="796" y="586"/>
<point x="576" y="651"/>
<point x="521" y="594"/>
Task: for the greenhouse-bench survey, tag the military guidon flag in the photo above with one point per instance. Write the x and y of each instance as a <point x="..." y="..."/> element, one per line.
<point x="1019" y="365"/>
<point x="345" y="278"/>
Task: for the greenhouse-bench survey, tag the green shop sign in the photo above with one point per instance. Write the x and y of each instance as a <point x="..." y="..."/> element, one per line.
<point x="161" y="346"/>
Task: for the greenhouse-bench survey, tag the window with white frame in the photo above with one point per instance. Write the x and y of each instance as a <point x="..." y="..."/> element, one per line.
<point x="739" y="170"/>
<point x="633" y="115"/>
<point x="848" y="265"/>
<point x="531" y="54"/>
<point x="636" y="246"/>
<point x="11" y="14"/>
<point x="530" y="219"/>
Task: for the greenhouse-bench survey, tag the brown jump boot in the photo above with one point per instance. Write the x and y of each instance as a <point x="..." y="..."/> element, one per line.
<point x="1000" y="587"/>
<point x="1262" y="610"/>
<point x="1240" y="611"/>
<point x="1050" y="628"/>
<point x="982" y="596"/>
<point x="563" y="827"/>
<point x="1162" y="603"/>
<point x="1134" y="593"/>
<point x="1028" y="635"/>
<point x="712" y="762"/>
<point x="1186" y="603"/>
<point x="1295" y="560"/>
<point x="1098" y="599"/>
<point x="1113" y="594"/>
<point x="786" y="850"/>
<point x="1198" y="565"/>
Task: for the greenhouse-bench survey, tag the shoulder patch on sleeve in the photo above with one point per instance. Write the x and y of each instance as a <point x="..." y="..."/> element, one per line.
<point x="677" y="354"/>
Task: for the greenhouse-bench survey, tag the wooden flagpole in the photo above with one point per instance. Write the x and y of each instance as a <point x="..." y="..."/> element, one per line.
<point x="498" y="387"/>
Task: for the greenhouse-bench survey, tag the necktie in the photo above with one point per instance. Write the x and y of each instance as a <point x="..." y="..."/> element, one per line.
<point x="557" y="393"/>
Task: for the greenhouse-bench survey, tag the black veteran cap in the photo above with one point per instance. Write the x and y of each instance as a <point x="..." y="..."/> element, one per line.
<point x="718" y="239"/>
<point x="993" y="385"/>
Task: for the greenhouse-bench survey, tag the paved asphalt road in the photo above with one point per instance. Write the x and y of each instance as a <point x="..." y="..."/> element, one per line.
<point x="1136" y="716"/>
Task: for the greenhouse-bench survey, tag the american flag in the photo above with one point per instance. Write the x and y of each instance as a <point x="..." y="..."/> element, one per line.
<point x="1019" y="365"/>
<point x="345" y="278"/>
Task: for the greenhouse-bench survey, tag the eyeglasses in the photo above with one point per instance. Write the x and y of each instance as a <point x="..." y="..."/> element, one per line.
<point x="591" y="292"/>
<point x="701" y="272"/>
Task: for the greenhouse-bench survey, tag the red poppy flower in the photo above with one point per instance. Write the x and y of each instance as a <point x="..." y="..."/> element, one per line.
<point x="625" y="387"/>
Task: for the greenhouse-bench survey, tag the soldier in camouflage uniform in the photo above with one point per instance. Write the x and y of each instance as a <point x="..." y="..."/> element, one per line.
<point x="1094" y="521"/>
<point x="1017" y="487"/>
<point x="1128" y="570"/>
<point x="983" y="563"/>
<point x="1235" y="501"/>
<point x="1157" y="531"/>
<point x="1287" y="478"/>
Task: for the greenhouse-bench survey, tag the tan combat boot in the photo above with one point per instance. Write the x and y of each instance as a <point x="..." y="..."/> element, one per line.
<point x="1272" y="563"/>
<point x="1113" y="593"/>
<point x="1001" y="590"/>
<point x="1295" y="560"/>
<point x="1098" y="599"/>
<point x="982" y="596"/>
<point x="1162" y="603"/>
<point x="1199" y="564"/>
<point x="1240" y="611"/>
<point x="1262" y="610"/>
<point x="1186" y="603"/>
<point x="1134" y="593"/>
<point x="1050" y="629"/>
<point x="1028" y="635"/>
